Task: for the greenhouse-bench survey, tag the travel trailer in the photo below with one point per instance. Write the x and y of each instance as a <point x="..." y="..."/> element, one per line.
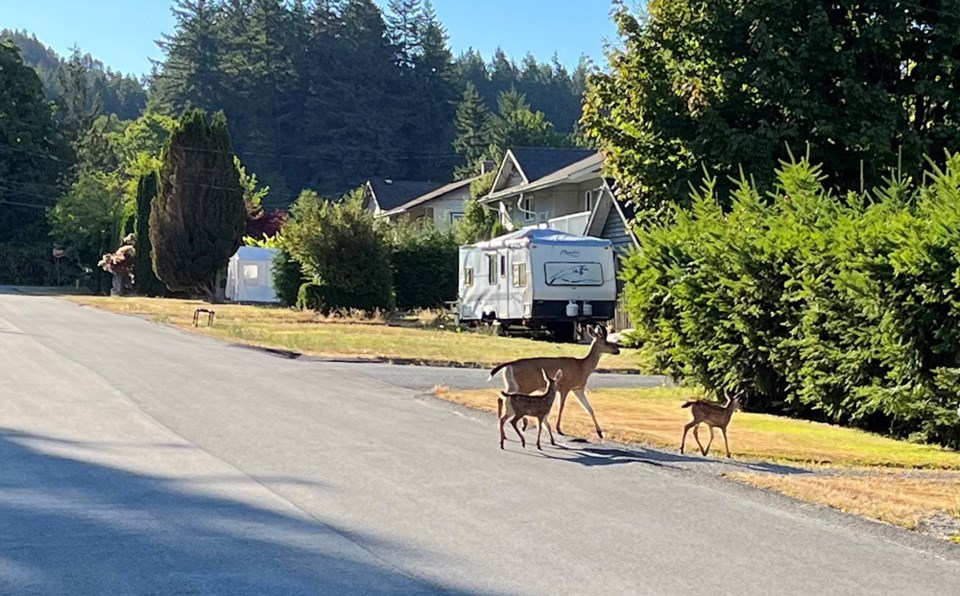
<point x="538" y="278"/>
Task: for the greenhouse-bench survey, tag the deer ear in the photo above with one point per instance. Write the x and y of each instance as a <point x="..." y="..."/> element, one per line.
<point x="559" y="374"/>
<point x="602" y="331"/>
<point x="545" y="377"/>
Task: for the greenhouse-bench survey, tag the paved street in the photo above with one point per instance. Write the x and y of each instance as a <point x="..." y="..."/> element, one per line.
<point x="138" y="459"/>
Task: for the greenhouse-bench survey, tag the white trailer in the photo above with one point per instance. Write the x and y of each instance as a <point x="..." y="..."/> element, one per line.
<point x="538" y="278"/>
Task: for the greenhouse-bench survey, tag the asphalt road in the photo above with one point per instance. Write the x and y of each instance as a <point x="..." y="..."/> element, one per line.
<point x="137" y="459"/>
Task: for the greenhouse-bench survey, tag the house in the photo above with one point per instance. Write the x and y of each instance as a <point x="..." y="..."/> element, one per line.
<point x="561" y="189"/>
<point x="395" y="199"/>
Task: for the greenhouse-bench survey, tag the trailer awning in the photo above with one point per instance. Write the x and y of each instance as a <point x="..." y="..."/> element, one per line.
<point x="530" y="236"/>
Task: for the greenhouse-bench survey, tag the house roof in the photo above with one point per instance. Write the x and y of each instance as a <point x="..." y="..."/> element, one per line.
<point x="391" y="194"/>
<point x="590" y="162"/>
<point x="537" y="162"/>
<point x="434" y="194"/>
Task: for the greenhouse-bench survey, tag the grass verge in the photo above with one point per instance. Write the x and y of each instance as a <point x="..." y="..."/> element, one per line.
<point x="909" y="485"/>
<point x="654" y="417"/>
<point x="357" y="336"/>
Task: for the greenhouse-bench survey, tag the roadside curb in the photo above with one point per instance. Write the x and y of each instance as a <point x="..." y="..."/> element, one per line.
<point x="294" y="355"/>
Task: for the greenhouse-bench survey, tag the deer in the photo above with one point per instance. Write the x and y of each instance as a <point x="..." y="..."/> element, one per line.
<point x="714" y="415"/>
<point x="523" y="376"/>
<point x="518" y="405"/>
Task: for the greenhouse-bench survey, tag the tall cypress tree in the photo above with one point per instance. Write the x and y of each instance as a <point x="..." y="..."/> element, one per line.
<point x="198" y="217"/>
<point x="145" y="279"/>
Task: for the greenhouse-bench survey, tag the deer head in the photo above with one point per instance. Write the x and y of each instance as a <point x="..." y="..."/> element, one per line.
<point x="599" y="336"/>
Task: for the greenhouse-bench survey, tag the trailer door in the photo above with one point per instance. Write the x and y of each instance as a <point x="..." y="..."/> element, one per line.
<point x="519" y="278"/>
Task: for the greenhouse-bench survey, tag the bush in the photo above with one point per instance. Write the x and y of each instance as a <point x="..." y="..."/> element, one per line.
<point x="841" y="310"/>
<point x="425" y="264"/>
<point x="339" y="246"/>
<point x="310" y="297"/>
<point x="288" y="277"/>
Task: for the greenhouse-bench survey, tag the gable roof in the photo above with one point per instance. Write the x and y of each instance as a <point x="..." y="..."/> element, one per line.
<point x="434" y="194"/>
<point x="589" y="165"/>
<point x="537" y="162"/>
<point x="390" y="194"/>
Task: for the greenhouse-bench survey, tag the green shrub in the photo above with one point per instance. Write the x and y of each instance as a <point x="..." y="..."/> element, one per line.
<point x="310" y="297"/>
<point x="288" y="277"/>
<point x="425" y="265"/>
<point x="845" y="310"/>
<point x="339" y="245"/>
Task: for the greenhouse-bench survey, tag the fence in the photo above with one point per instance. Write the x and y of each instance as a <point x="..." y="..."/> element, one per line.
<point x="621" y="320"/>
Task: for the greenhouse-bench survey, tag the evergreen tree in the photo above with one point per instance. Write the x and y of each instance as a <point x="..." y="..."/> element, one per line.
<point x="145" y="279"/>
<point x="198" y="217"/>
<point x="190" y="76"/>
<point x="31" y="153"/>
<point x="473" y="129"/>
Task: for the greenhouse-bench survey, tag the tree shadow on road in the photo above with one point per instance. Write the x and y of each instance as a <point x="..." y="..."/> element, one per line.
<point x="76" y="527"/>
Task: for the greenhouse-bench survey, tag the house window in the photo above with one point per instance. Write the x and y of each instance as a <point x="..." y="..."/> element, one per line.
<point x="588" y="201"/>
<point x="251" y="272"/>
<point x="455" y="217"/>
<point x="526" y="205"/>
<point x="468" y="276"/>
<point x="492" y="269"/>
<point x="519" y="275"/>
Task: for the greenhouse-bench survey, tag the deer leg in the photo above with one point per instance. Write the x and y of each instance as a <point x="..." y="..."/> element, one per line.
<point x="686" y="429"/>
<point x="725" y="444"/>
<point x="710" y="442"/>
<point x="563" y="400"/>
<point x="513" y="422"/>
<point x="696" y="436"/>
<point x="582" y="396"/>
<point x="539" y="430"/>
<point x="546" y="423"/>
<point x="503" y="420"/>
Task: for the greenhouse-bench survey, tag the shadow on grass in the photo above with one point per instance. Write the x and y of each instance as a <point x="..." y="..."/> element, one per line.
<point x="75" y="527"/>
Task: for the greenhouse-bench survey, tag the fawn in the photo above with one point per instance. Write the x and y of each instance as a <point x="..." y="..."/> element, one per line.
<point x="518" y="405"/>
<point x="714" y="415"/>
<point x="524" y="375"/>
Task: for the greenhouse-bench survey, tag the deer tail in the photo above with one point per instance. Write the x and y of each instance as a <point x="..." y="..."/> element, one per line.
<point x="688" y="404"/>
<point x="497" y="369"/>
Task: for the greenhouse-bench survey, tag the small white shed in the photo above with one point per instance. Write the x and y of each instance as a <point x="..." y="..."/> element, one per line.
<point x="250" y="275"/>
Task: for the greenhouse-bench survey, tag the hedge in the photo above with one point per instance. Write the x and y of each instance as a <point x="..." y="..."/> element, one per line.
<point x="844" y="308"/>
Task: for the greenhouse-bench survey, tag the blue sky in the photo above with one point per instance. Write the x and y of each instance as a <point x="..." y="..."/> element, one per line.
<point x="121" y="33"/>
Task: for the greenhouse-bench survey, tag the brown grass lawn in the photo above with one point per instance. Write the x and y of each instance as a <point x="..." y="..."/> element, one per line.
<point x="654" y="417"/>
<point x="910" y="501"/>
<point x="310" y="333"/>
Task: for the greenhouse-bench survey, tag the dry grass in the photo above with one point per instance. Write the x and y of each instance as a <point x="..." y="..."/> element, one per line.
<point x="349" y="334"/>
<point x="654" y="417"/>
<point x="913" y="502"/>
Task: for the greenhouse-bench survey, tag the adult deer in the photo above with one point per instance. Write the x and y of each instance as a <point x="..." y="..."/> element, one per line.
<point x="526" y="375"/>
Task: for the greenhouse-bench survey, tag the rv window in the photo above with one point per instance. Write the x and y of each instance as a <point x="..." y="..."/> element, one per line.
<point x="468" y="276"/>
<point x="492" y="269"/>
<point x="519" y="275"/>
<point x="503" y="266"/>
<point x="573" y="274"/>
